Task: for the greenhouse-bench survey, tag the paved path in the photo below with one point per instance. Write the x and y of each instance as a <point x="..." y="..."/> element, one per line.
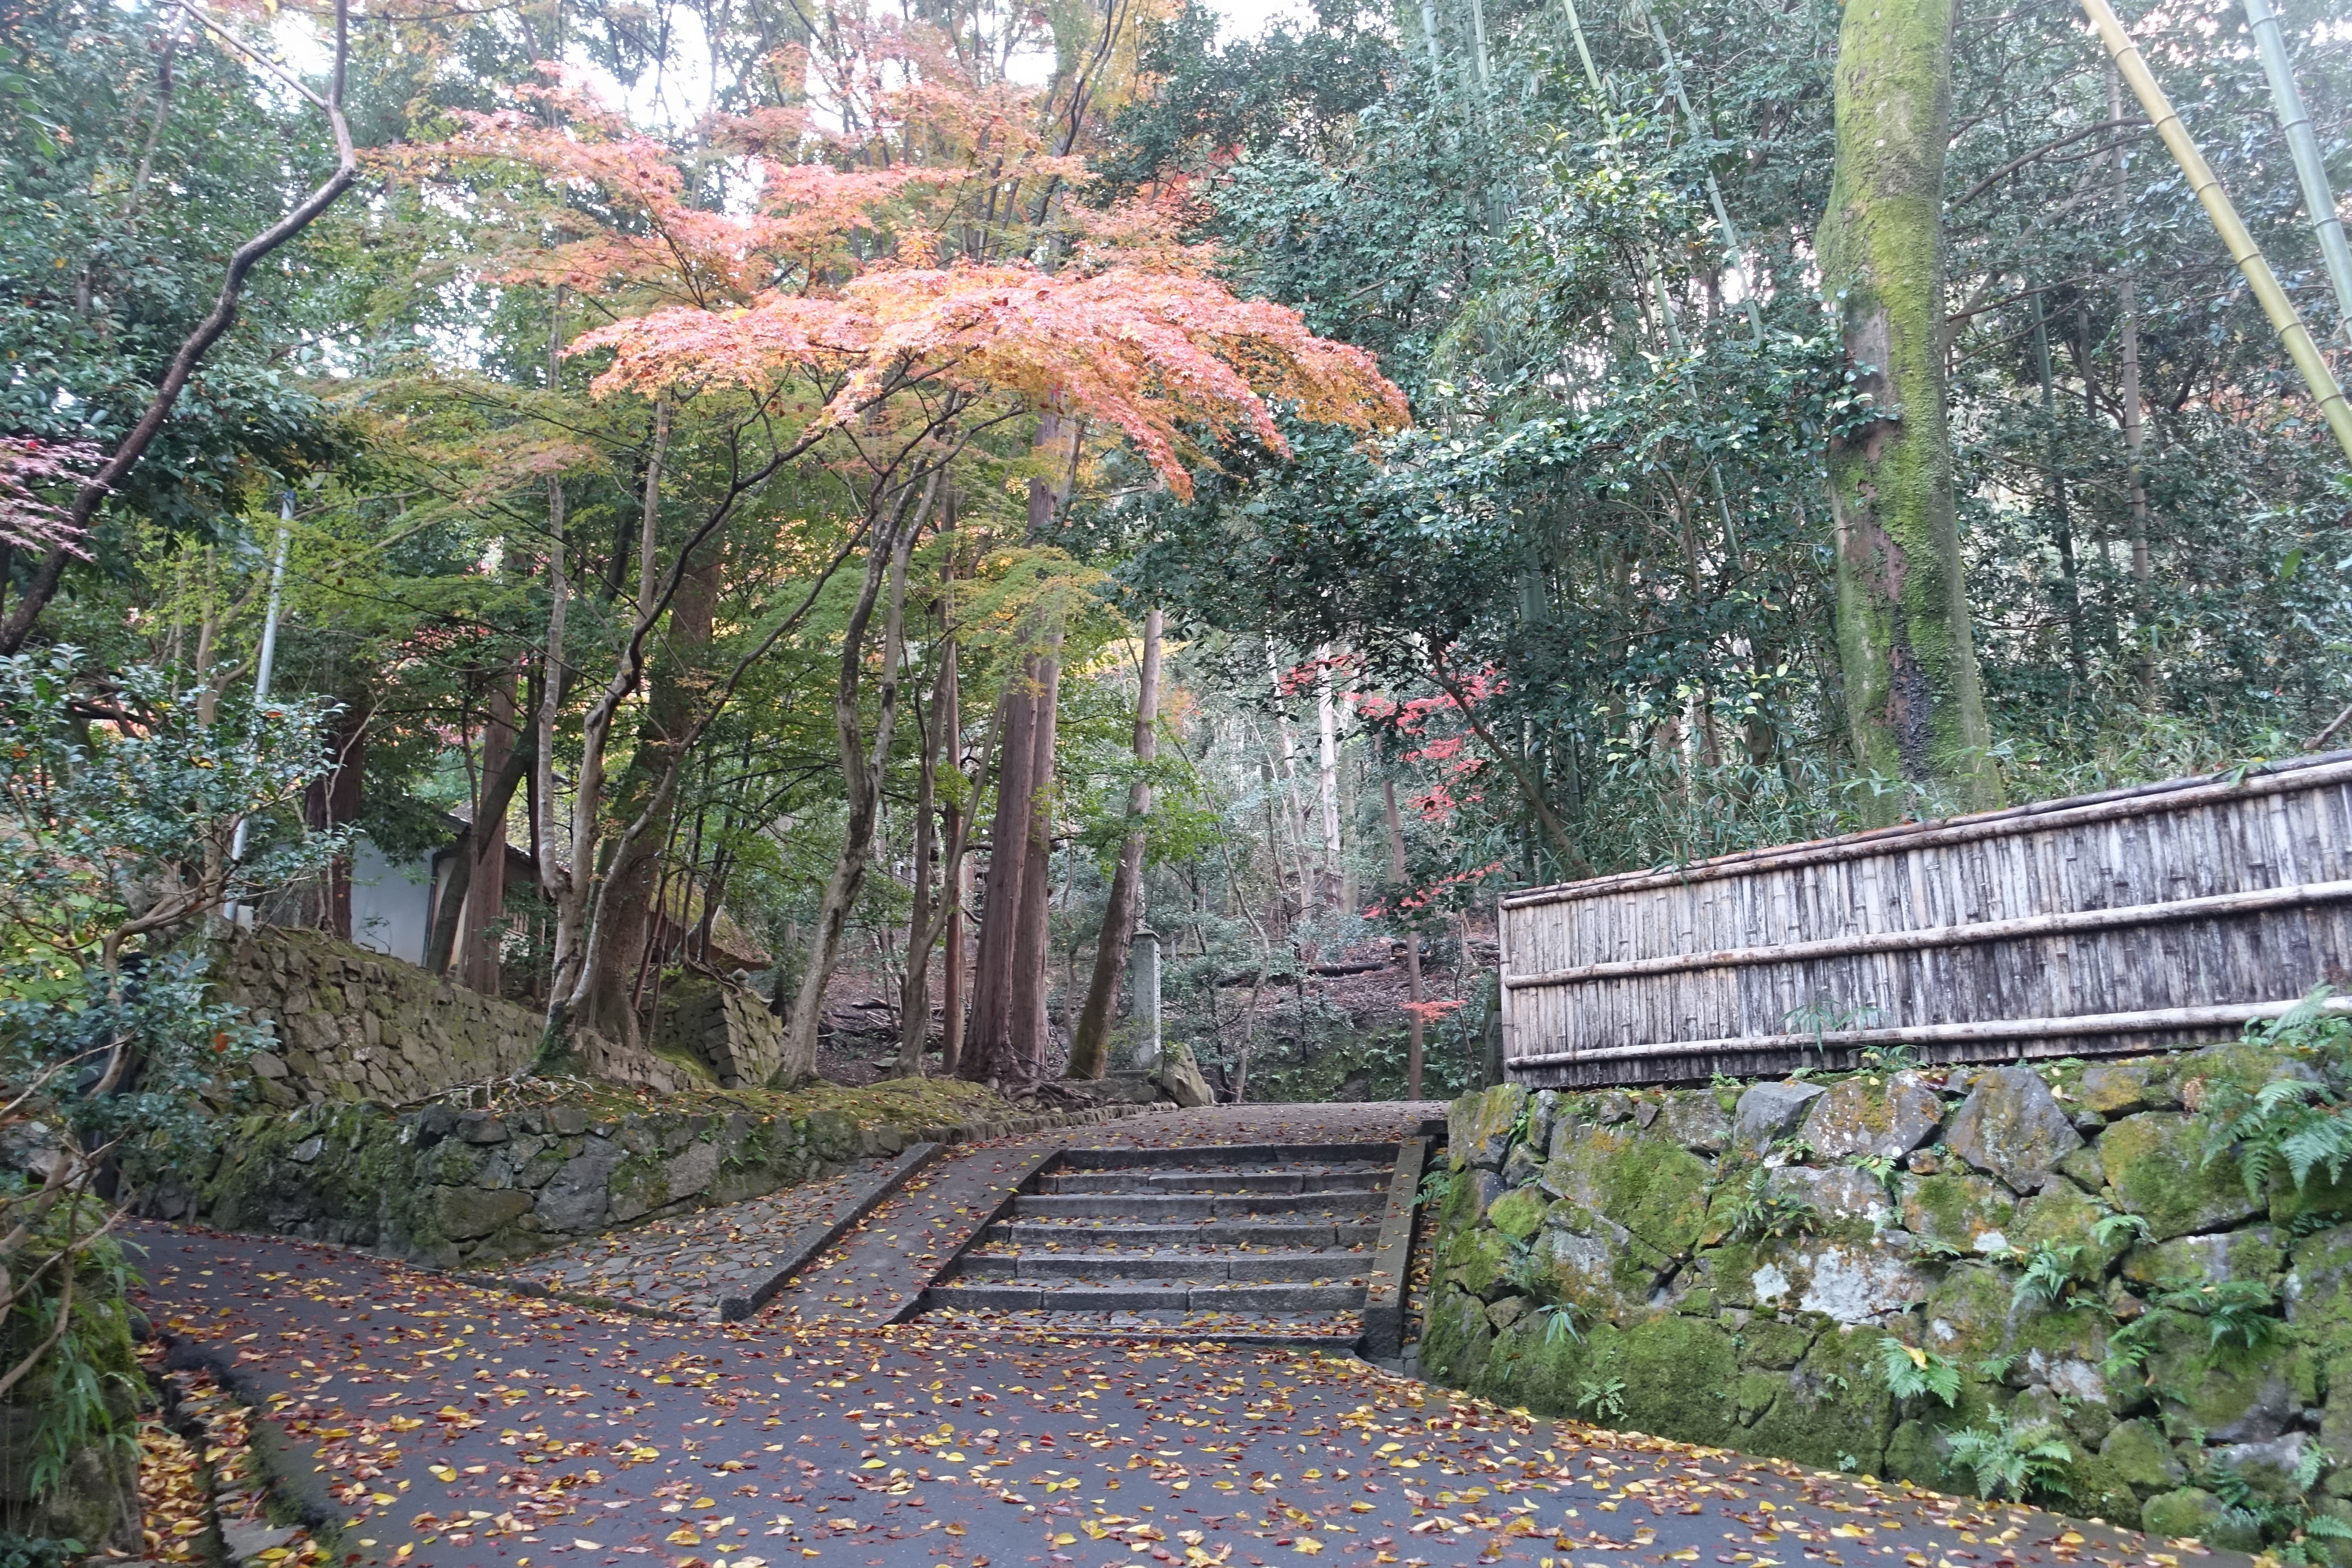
<point x="687" y="1263"/>
<point x="458" y="1427"/>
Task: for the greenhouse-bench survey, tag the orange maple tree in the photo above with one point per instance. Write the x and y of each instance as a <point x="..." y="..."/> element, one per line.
<point x="893" y="274"/>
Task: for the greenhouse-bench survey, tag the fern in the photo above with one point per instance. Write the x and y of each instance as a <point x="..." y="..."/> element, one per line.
<point x="1560" y="1323"/>
<point x="1605" y="1400"/>
<point x="1756" y="1215"/>
<point x="2237" y="1311"/>
<point x="2050" y="1275"/>
<point x="2289" y="1121"/>
<point x="1911" y="1372"/>
<point x="2012" y="1461"/>
<point x="1435" y="1188"/>
<point x="2116" y="1231"/>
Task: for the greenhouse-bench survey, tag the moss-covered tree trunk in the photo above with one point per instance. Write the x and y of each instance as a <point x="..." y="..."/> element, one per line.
<point x="1914" y="701"/>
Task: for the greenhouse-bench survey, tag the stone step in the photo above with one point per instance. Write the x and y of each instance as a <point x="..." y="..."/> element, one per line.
<point x="1319" y="1329"/>
<point x="1228" y="1155"/>
<point x="1193" y="1205"/>
<point x="1143" y="1296"/>
<point x="1309" y="1178"/>
<point x="1284" y="1235"/>
<point x="1213" y="1268"/>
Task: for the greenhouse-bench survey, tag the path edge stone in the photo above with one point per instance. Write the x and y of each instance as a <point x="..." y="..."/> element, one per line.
<point x="1384" y="1293"/>
<point x="1022" y="1175"/>
<point x="813" y="1239"/>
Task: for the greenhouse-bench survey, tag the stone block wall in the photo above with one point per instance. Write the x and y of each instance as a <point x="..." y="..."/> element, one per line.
<point x="444" y="1186"/>
<point x="724" y="1026"/>
<point x="351" y="1025"/>
<point x="2077" y="1248"/>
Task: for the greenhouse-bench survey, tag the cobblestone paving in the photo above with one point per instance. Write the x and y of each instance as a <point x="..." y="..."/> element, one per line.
<point x="685" y="1263"/>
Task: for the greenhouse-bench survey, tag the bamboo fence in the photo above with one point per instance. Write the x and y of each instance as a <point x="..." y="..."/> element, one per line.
<point x="2143" y="918"/>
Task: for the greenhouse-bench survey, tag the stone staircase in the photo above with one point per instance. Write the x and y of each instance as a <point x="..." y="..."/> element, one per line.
<point x="1255" y="1244"/>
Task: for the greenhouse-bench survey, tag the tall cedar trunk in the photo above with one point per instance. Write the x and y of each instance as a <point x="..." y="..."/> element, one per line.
<point x="1090" y="1043"/>
<point x="1415" y="1029"/>
<point x="892" y="535"/>
<point x="1914" y="704"/>
<point x="1032" y="935"/>
<point x="484" y="901"/>
<point x="631" y="903"/>
<point x="990" y="1054"/>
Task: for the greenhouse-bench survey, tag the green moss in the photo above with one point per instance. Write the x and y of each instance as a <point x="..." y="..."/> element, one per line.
<point x="1476" y="1260"/>
<point x="2200" y="1515"/>
<point x="1835" y="1404"/>
<point x="1518" y="1213"/>
<point x="1455" y="1338"/>
<point x="1770" y="1344"/>
<point x="1652" y="1188"/>
<point x="2097" y="1489"/>
<point x="1956" y="1208"/>
<point x="1678" y="1374"/>
<point x="2155" y="1163"/>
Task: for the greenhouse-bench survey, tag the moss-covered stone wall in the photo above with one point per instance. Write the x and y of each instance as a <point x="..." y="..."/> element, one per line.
<point x="446" y="1185"/>
<point x="351" y="1025"/>
<point x="2075" y="1252"/>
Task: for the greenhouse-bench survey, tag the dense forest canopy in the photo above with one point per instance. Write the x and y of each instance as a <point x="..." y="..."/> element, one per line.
<point x="880" y="502"/>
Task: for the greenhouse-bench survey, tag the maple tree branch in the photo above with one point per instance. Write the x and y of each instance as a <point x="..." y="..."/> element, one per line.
<point x="1553" y="828"/>
<point x="94" y="492"/>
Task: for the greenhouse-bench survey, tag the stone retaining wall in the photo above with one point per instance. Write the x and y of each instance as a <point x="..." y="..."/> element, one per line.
<point x="2071" y="1245"/>
<point x="352" y="1025"/>
<point x="445" y="1187"/>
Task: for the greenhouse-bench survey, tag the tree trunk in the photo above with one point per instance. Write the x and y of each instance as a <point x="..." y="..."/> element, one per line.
<point x="484" y="900"/>
<point x="1089" y="1052"/>
<point x="990" y="1056"/>
<point x="923" y="918"/>
<point x="633" y="901"/>
<point x="1031" y="936"/>
<point x="1327" y="730"/>
<point x="334" y="802"/>
<point x="1416" y="1031"/>
<point x="862" y="772"/>
<point x="1914" y="700"/>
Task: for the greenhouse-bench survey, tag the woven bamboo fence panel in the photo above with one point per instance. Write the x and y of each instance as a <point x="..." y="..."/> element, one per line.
<point x="2144" y="918"/>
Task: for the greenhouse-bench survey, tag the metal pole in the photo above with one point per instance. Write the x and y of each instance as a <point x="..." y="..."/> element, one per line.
<point x="2291" y="332"/>
<point x="268" y="661"/>
<point x="2318" y="200"/>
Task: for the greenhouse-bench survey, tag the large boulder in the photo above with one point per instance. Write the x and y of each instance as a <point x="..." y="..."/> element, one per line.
<point x="1769" y="1112"/>
<point x="2012" y="1129"/>
<point x="1859" y="1117"/>
<point x="1695" y="1121"/>
<point x="1180" y="1078"/>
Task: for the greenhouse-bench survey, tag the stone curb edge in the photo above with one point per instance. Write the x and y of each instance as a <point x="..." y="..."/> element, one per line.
<point x="875" y="1138"/>
<point x="813" y="1239"/>
<point x="1022" y="1175"/>
<point x="1392" y="1259"/>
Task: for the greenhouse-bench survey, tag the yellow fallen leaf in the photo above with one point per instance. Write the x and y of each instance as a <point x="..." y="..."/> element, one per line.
<point x="382" y="1500"/>
<point x="1066" y="1538"/>
<point x="1685" y="1555"/>
<point x="403" y="1423"/>
<point x="683" y="1536"/>
<point x="2072" y="1538"/>
<point x="444" y="1473"/>
<point x="1308" y="1544"/>
<point x="586" y="1545"/>
<point x="873" y="1464"/>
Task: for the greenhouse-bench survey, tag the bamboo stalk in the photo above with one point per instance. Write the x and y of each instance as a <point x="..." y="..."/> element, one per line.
<point x="2113" y="805"/>
<point x="2225" y="1014"/>
<point x="2295" y="120"/>
<point x="2210" y="907"/>
<point x="2285" y="321"/>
